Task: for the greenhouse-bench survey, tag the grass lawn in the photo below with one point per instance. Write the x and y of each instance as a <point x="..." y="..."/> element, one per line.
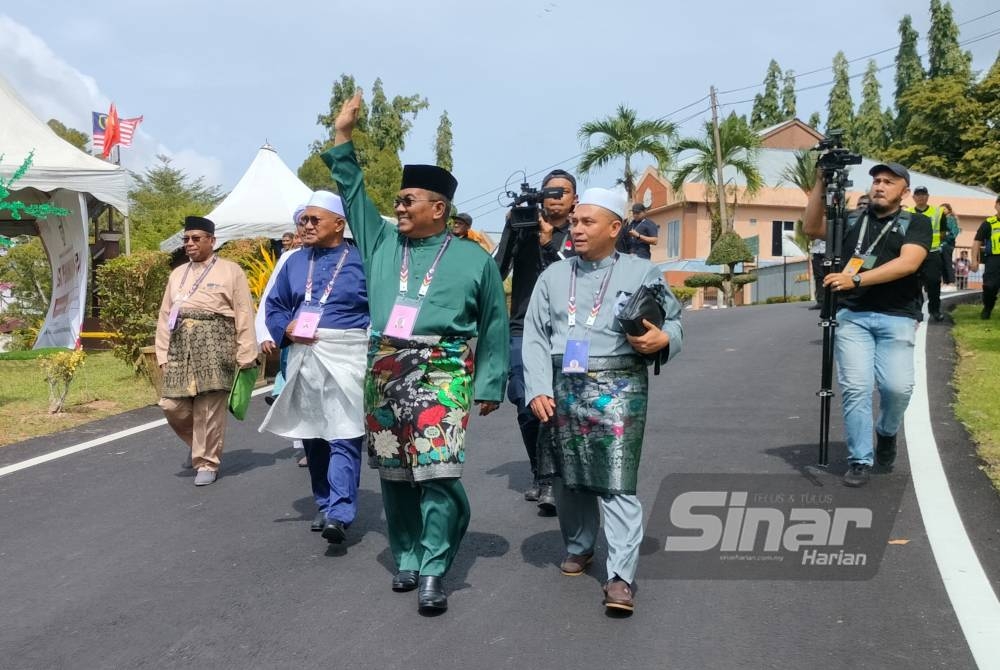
<point x="102" y="387"/>
<point x="978" y="384"/>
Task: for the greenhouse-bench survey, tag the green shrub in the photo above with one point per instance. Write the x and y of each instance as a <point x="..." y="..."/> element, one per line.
<point x="746" y="278"/>
<point x="704" y="280"/>
<point x="683" y="293"/>
<point x="247" y="254"/>
<point x="131" y="290"/>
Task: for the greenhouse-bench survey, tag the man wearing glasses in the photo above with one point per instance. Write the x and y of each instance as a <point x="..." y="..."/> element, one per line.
<point x="319" y="307"/>
<point x="205" y="333"/>
<point x="429" y="295"/>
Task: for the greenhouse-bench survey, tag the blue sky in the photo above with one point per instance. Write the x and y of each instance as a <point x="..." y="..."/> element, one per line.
<point x="214" y="79"/>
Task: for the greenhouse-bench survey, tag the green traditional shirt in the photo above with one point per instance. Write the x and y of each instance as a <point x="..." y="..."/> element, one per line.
<point x="466" y="298"/>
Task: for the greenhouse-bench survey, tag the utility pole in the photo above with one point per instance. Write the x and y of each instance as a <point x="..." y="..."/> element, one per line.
<point x="720" y="184"/>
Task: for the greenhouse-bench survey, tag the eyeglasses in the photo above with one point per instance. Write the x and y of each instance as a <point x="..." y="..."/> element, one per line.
<point x="408" y="201"/>
<point x="194" y="238"/>
<point x="315" y="220"/>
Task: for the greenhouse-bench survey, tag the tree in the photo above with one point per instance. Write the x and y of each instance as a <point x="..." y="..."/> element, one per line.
<point x="802" y="170"/>
<point x="729" y="250"/>
<point x="870" y="132"/>
<point x="788" y="95"/>
<point x="815" y="121"/>
<point x="624" y="136"/>
<point x="909" y="71"/>
<point x="981" y="162"/>
<point x="162" y="197"/>
<point x="840" y="105"/>
<point x="945" y="57"/>
<point x="78" y="139"/>
<point x="767" y="107"/>
<point x="444" y="142"/>
<point x="383" y="126"/>
<point x="739" y="146"/>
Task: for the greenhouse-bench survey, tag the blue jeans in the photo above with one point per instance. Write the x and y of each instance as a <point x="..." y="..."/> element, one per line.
<point x="335" y="473"/>
<point x="873" y="348"/>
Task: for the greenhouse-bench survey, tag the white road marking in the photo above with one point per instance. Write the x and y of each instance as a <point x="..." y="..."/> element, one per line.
<point x="83" y="446"/>
<point x="971" y="594"/>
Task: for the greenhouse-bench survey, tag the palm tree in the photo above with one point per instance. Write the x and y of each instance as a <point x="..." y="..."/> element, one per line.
<point x="802" y="173"/>
<point x="739" y="147"/>
<point x="625" y="136"/>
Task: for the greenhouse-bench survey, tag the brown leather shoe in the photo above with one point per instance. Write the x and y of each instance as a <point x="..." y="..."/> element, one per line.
<point x="618" y="595"/>
<point x="575" y="565"/>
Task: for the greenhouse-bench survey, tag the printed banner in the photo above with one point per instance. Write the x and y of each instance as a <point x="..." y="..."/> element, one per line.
<point x="65" y="241"/>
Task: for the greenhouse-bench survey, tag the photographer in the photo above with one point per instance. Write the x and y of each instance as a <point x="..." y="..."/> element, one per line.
<point x="879" y="291"/>
<point x="525" y="252"/>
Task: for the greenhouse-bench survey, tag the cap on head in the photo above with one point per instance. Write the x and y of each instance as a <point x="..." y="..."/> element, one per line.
<point x="614" y="201"/>
<point x="464" y="218"/>
<point x="199" y="223"/>
<point x="638" y="207"/>
<point x="894" y="168"/>
<point x="430" y="178"/>
<point x="331" y="202"/>
<point x="559" y="174"/>
<point x="920" y="190"/>
<point x="299" y="211"/>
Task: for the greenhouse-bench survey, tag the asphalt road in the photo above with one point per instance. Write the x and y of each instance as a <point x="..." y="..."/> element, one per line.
<point x="110" y="558"/>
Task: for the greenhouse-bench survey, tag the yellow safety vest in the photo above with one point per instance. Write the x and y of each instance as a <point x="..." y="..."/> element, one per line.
<point x="994" y="249"/>
<point x="934" y="214"/>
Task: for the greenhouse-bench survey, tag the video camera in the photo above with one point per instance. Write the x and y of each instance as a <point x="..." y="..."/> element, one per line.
<point x="526" y="206"/>
<point x="834" y="156"/>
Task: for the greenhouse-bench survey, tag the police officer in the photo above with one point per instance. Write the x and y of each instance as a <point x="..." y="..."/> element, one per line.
<point x="986" y="248"/>
<point x="932" y="269"/>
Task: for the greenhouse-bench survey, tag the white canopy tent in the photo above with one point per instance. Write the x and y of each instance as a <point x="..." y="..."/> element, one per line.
<point x="260" y="205"/>
<point x="65" y="177"/>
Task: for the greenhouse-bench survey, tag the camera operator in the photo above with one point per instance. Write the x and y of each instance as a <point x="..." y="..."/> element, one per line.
<point x="879" y="291"/>
<point x="639" y="234"/>
<point x="524" y="253"/>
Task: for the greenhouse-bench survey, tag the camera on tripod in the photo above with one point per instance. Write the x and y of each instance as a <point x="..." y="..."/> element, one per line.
<point x="526" y="206"/>
<point x="834" y="156"/>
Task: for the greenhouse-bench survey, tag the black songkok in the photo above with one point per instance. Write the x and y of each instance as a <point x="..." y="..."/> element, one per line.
<point x="199" y="223"/>
<point x="430" y="178"/>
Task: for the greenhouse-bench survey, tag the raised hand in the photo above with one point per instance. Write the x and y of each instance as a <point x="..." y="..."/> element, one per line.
<point x="347" y="119"/>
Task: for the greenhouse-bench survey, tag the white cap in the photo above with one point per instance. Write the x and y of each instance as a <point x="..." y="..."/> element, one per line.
<point x="299" y="211"/>
<point x="613" y="201"/>
<point x="331" y="202"/>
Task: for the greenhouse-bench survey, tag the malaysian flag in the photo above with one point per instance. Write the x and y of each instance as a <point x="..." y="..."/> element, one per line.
<point x="126" y="126"/>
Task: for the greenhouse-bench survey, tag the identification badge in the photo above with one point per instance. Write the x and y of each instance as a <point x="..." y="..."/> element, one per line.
<point x="402" y="319"/>
<point x="575" y="359"/>
<point x="854" y="266"/>
<point x="869" y="261"/>
<point x="307" y="321"/>
<point x="172" y="318"/>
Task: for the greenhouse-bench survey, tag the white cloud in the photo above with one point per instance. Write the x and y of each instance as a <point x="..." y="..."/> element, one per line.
<point x="53" y="88"/>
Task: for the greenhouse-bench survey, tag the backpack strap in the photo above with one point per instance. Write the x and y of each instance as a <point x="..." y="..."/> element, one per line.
<point x="904" y="221"/>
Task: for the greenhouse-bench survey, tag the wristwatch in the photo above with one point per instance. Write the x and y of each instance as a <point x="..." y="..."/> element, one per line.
<point x="857" y="280"/>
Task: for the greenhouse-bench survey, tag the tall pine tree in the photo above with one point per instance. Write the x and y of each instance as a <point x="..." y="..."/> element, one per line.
<point x="444" y="143"/>
<point x="788" y="95"/>
<point x="945" y="57"/>
<point x="909" y="71"/>
<point x="840" y="105"/>
<point x="767" y="107"/>
<point x="869" y="125"/>
<point x="815" y="121"/>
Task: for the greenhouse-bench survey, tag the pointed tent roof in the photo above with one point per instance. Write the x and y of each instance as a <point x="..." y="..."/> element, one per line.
<point x="56" y="163"/>
<point x="260" y="205"/>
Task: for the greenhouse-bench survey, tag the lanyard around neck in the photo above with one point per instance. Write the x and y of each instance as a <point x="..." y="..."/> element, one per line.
<point x="864" y="229"/>
<point x="404" y="271"/>
<point x="197" y="282"/>
<point x="598" y="299"/>
<point x="329" y="286"/>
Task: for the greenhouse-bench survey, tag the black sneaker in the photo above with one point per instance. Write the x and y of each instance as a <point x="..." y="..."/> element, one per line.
<point x="546" y="500"/>
<point x="985" y="314"/>
<point x="885" y="450"/>
<point x="857" y="474"/>
<point x="531" y="495"/>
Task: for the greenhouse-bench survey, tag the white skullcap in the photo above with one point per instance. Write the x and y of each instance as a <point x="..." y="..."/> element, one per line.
<point x="299" y="211"/>
<point x="328" y="201"/>
<point x="613" y="201"/>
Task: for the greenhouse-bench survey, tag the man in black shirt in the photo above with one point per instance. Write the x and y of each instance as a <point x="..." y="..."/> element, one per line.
<point x="881" y="304"/>
<point x="526" y="252"/>
<point x="639" y="234"/>
<point x="986" y="249"/>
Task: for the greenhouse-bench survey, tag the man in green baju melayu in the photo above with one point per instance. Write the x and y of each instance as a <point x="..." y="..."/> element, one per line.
<point x="428" y="297"/>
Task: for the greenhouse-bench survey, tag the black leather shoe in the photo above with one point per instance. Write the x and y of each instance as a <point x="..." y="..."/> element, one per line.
<point x="333" y="531"/>
<point x="531" y="495"/>
<point x="431" y="598"/>
<point x="319" y="521"/>
<point x="857" y="475"/>
<point x="885" y="450"/>
<point x="405" y="580"/>
<point x="546" y="500"/>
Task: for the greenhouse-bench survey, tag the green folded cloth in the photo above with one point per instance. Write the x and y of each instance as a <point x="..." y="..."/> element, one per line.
<point x="239" y="397"/>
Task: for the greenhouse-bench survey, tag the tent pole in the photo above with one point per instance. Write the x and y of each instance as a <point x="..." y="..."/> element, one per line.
<point x="128" y="237"/>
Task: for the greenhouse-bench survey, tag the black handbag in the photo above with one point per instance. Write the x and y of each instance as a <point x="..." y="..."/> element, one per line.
<point x="644" y="303"/>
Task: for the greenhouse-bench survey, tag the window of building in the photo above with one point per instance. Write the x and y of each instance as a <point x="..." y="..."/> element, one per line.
<point x="779" y="229"/>
<point x="673" y="239"/>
